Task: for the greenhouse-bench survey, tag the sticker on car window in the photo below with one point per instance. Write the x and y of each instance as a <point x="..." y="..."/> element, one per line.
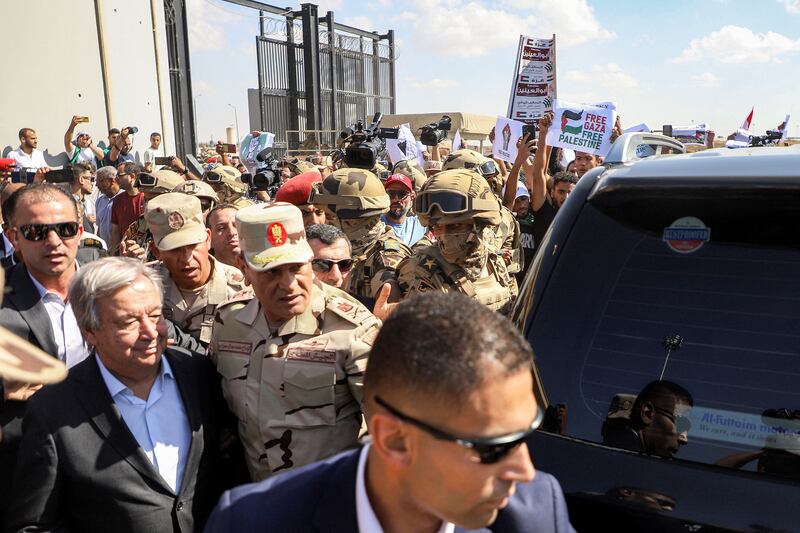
<point x="686" y="235"/>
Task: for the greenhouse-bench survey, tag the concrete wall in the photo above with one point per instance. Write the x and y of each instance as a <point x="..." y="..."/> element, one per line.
<point x="53" y="64"/>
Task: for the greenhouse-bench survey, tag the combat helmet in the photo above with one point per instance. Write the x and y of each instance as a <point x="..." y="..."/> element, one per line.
<point x="202" y="190"/>
<point x="472" y="160"/>
<point x="226" y="181"/>
<point x="351" y="193"/>
<point x="412" y="171"/>
<point x="457" y="196"/>
<point x="158" y="182"/>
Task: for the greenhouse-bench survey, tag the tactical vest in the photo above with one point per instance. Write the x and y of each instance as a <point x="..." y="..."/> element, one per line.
<point x="495" y="291"/>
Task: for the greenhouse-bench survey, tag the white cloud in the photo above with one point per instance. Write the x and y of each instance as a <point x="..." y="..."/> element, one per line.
<point x="734" y="44"/>
<point x="706" y="79"/>
<point x="361" y="22"/>
<point x="435" y="84"/>
<point x="791" y="6"/>
<point x="610" y="76"/>
<point x="404" y="16"/>
<point x="206" y="22"/>
<point x="469" y="28"/>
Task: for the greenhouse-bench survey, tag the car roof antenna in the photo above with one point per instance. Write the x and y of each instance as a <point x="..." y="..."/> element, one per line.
<point x="670" y="342"/>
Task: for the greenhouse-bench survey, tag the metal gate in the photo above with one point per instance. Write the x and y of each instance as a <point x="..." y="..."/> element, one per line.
<point x="316" y="77"/>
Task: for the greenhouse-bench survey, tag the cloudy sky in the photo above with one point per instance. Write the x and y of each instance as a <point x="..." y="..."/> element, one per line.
<point x="678" y="62"/>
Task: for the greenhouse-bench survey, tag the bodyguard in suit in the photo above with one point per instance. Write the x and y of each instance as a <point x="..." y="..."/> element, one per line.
<point x="450" y="404"/>
<point x="45" y="232"/>
<point x="129" y="441"/>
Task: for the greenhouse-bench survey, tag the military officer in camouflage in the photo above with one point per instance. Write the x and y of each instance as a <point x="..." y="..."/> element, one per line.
<point x="358" y="199"/>
<point x="194" y="282"/>
<point x="463" y="213"/>
<point x="227" y="183"/>
<point x="507" y="233"/>
<point x="204" y="192"/>
<point x="292" y="359"/>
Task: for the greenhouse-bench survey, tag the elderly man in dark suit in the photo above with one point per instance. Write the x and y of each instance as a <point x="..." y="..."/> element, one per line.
<point x="130" y="440"/>
<point x="450" y="403"/>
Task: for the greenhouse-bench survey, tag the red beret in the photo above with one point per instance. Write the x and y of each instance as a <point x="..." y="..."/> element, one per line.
<point x="296" y="190"/>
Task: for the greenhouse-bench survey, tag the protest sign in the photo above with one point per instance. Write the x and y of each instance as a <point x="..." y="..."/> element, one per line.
<point x="695" y="135"/>
<point x="251" y="146"/>
<point x="506" y="133"/>
<point x="534" y="84"/>
<point x="457" y="140"/>
<point x="582" y="127"/>
<point x="405" y="147"/>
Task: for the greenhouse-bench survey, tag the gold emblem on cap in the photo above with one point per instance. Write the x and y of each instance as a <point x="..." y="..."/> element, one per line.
<point x="175" y="220"/>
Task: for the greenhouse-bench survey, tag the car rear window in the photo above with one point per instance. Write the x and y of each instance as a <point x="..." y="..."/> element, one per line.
<point x="700" y="295"/>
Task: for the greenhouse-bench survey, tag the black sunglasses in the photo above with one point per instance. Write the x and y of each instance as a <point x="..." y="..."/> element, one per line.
<point x="682" y="424"/>
<point x="400" y="195"/>
<point x="39" y="232"/>
<point x="206" y="204"/>
<point x="325" y="265"/>
<point x="490" y="450"/>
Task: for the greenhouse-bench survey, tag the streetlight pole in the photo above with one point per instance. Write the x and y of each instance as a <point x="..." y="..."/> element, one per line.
<point x="236" y="119"/>
<point x="196" y="132"/>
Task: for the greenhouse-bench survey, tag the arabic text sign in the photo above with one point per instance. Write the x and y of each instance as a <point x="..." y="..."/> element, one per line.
<point x="582" y="127"/>
<point x="534" y="86"/>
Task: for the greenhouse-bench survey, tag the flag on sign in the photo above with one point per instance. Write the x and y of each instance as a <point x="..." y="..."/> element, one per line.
<point x="747" y="121"/>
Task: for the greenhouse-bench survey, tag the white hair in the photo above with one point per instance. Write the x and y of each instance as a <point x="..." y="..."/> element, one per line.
<point x="100" y="279"/>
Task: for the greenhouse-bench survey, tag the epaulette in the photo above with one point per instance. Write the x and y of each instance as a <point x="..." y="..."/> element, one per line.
<point x="92" y="243"/>
<point x="351" y="311"/>
<point x="429" y="264"/>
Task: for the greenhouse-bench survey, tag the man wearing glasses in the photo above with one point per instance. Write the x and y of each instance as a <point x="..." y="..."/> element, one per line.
<point x="126" y="207"/>
<point x="332" y="256"/>
<point x="292" y="358"/>
<point x="46" y="233"/>
<point x="401" y="198"/>
<point x="448" y="439"/>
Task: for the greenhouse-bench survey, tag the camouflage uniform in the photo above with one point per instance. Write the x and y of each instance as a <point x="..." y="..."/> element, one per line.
<point x="163" y="181"/>
<point x="427" y="270"/>
<point x="357" y="198"/>
<point x="507" y="232"/>
<point x="227" y="183"/>
<point x="295" y="386"/>
<point x="196" y="317"/>
<point x="491" y="284"/>
<point x="378" y="265"/>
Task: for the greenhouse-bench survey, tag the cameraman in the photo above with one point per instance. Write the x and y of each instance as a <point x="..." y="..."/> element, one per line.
<point x="122" y="149"/>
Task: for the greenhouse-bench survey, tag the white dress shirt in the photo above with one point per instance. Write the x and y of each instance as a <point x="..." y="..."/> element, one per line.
<point x="23" y="160"/>
<point x="159" y="424"/>
<point x="71" y="347"/>
<point x="367" y="520"/>
<point x="103" y="213"/>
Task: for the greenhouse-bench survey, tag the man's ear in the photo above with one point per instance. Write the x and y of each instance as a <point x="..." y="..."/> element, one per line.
<point x="390" y="440"/>
<point x="647" y="413"/>
<point x="154" y="249"/>
<point x="89" y="336"/>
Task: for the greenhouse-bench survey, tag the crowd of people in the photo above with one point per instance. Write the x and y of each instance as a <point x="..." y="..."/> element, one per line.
<point x="217" y="335"/>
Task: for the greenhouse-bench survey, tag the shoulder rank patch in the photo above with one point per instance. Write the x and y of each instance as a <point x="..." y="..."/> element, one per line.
<point x="392" y="245"/>
<point x="429" y="263"/>
<point x="348" y="310"/>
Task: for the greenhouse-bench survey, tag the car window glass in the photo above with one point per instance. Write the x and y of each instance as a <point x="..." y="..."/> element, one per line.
<point x="675" y="343"/>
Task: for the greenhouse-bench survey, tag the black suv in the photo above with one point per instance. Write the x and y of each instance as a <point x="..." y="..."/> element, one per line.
<point x="663" y="307"/>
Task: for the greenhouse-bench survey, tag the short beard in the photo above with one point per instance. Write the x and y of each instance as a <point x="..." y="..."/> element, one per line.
<point x="398" y="213"/>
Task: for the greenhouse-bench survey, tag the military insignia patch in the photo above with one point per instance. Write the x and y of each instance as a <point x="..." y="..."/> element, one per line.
<point x="235" y="347"/>
<point x="276" y="234"/>
<point x="175" y="220"/>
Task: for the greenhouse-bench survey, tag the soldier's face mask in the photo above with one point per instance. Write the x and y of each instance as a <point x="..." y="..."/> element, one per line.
<point x="362" y="232"/>
<point x="456" y="246"/>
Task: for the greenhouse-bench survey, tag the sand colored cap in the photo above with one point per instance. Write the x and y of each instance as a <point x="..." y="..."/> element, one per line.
<point x="160" y="181"/>
<point x="175" y="219"/>
<point x="197" y="188"/>
<point x="271" y="235"/>
<point x="24" y="362"/>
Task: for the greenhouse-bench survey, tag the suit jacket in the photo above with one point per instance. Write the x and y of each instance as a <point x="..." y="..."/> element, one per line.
<point x="81" y="469"/>
<point x="322" y="497"/>
<point x="23" y="314"/>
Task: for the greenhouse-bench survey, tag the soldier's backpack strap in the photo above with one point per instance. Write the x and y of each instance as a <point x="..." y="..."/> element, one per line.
<point x="452" y="272"/>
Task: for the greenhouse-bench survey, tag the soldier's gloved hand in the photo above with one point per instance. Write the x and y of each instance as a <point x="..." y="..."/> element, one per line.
<point x="388" y="298"/>
<point x="131" y="248"/>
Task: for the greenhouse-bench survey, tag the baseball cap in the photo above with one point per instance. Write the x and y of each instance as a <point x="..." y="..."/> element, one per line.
<point x="522" y="191"/>
<point x="175" y="219"/>
<point x="271" y="235"/>
<point x="296" y="190"/>
<point x="24" y="362"/>
<point x="399" y="178"/>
